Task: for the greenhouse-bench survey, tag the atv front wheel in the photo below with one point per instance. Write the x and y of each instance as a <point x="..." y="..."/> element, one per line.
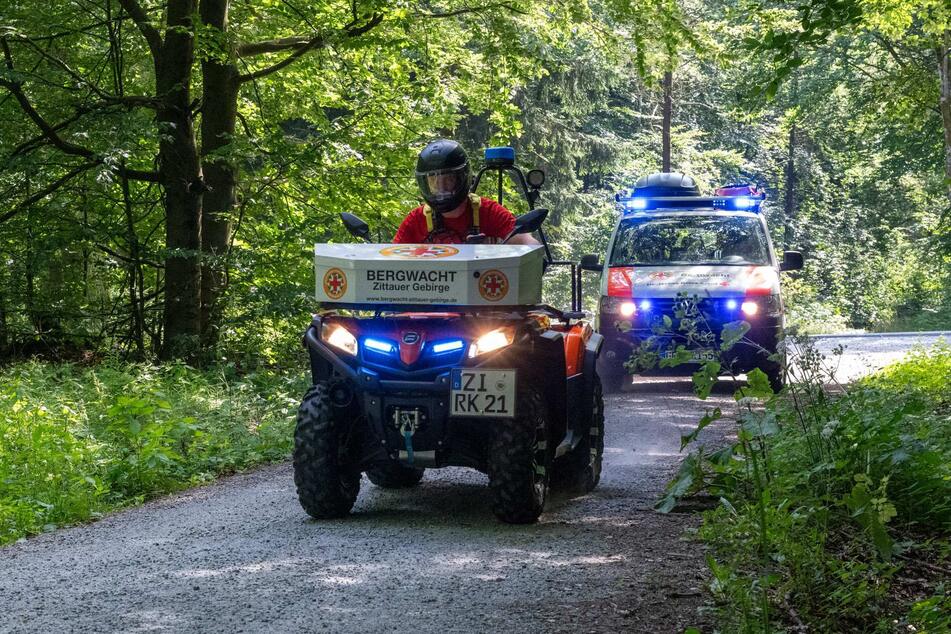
<point x="327" y="481"/>
<point x="519" y="460"/>
<point x="583" y="464"/>
<point x="393" y="475"/>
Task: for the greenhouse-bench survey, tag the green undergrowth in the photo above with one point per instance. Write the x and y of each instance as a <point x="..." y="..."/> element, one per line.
<point x="835" y="503"/>
<point x="78" y="441"/>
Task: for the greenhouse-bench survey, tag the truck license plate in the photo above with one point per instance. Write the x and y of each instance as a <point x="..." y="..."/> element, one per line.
<point x="696" y="356"/>
<point x="482" y="393"/>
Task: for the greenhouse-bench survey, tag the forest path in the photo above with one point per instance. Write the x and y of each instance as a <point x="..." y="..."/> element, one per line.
<point x="241" y="555"/>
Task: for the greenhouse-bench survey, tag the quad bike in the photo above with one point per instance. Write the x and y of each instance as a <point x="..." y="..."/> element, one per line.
<point x="427" y="356"/>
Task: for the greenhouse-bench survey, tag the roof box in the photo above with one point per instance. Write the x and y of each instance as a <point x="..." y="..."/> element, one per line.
<point x="663" y="184"/>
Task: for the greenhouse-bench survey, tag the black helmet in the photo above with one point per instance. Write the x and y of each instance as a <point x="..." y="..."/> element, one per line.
<point x="442" y="173"/>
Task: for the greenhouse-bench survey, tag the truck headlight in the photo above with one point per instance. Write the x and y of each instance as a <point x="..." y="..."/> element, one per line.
<point x="494" y="340"/>
<point x="339" y="337"/>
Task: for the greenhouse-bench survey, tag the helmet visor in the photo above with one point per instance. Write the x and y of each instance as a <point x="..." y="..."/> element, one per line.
<point x="443" y="186"/>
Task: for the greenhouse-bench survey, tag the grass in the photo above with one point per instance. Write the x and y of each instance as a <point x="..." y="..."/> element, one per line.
<point x="835" y="510"/>
<point x="76" y="442"/>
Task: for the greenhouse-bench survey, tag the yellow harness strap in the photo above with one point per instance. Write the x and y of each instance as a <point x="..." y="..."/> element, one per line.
<point x="475" y="201"/>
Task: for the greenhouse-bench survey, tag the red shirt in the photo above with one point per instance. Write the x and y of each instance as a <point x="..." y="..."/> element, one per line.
<point x="495" y="221"/>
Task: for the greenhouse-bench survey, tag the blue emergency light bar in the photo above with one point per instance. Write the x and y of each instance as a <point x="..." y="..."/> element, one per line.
<point x="750" y="202"/>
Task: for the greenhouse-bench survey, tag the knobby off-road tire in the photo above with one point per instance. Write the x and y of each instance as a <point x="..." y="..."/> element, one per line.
<point x="583" y="464"/>
<point x="393" y="475"/>
<point x="519" y="462"/>
<point x="327" y="482"/>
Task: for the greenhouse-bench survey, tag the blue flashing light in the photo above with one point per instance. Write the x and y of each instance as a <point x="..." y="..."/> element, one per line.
<point x="739" y="203"/>
<point x="377" y="345"/>
<point x="448" y="346"/>
<point x="504" y="154"/>
<point x="731" y="304"/>
<point x="645" y="305"/>
<point x="636" y="204"/>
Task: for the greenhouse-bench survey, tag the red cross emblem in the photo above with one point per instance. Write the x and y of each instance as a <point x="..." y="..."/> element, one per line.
<point x="493" y="285"/>
<point x="420" y="251"/>
<point x="335" y="283"/>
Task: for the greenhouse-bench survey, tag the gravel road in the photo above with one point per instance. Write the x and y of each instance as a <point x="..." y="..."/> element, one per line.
<point x="241" y="555"/>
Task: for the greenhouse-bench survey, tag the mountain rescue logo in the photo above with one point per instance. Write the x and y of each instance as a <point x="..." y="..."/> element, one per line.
<point x="493" y="285"/>
<point x="335" y="283"/>
<point x="419" y="251"/>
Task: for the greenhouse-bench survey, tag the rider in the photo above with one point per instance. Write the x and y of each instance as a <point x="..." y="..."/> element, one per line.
<point x="451" y="213"/>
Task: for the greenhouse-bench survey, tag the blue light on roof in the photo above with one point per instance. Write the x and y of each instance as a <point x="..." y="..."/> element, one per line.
<point x="378" y="346"/>
<point x="504" y="153"/>
<point x="739" y="203"/>
<point x="448" y="346"/>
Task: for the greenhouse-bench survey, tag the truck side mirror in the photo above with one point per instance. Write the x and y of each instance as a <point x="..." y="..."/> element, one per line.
<point x="792" y="261"/>
<point x="590" y="262"/>
<point x="356" y="226"/>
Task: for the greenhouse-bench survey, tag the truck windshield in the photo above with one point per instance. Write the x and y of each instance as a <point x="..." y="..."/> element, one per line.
<point x="672" y="240"/>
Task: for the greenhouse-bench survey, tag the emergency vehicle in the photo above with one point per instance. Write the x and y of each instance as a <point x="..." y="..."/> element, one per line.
<point x="672" y="246"/>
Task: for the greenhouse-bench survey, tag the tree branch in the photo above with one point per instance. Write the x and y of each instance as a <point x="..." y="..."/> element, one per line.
<point x="50" y="132"/>
<point x="464" y="10"/>
<point x="301" y="47"/>
<point x="271" y="46"/>
<point x="149" y="32"/>
<point x="46" y="191"/>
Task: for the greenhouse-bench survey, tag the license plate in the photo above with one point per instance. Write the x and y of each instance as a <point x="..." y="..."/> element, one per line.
<point x="696" y="356"/>
<point x="488" y="393"/>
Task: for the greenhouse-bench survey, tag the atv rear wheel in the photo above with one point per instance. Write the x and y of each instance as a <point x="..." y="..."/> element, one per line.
<point x="583" y="465"/>
<point x="519" y="462"/>
<point x="394" y="475"/>
<point x="327" y="481"/>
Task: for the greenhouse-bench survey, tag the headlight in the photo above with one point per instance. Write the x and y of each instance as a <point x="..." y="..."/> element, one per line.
<point x="339" y="337"/>
<point x="749" y="308"/>
<point x="498" y="338"/>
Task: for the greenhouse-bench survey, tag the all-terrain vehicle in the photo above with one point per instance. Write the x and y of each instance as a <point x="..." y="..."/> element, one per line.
<point x="431" y="355"/>
<point x="672" y="246"/>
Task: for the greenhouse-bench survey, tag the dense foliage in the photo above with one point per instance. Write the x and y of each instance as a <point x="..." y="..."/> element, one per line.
<point x="75" y="441"/>
<point x="834" y="509"/>
<point x="301" y="110"/>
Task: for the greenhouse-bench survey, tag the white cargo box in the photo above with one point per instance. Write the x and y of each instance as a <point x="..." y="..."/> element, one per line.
<point x="462" y="274"/>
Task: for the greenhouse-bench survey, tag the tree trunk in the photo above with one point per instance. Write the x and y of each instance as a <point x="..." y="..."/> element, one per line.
<point x="180" y="176"/>
<point x="219" y="113"/>
<point x="668" y="115"/>
<point x="789" y="202"/>
<point x="943" y="52"/>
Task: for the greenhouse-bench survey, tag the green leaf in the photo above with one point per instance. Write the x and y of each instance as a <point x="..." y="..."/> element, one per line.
<point x="732" y="333"/>
<point x="757" y="386"/>
<point x="708" y="418"/>
<point x="705" y="378"/>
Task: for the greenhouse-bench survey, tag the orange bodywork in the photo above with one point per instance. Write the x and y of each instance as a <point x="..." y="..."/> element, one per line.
<point x="575" y="339"/>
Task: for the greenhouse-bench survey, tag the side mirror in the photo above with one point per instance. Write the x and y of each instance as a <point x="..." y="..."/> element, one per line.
<point x="530" y="222"/>
<point x="357" y="227"/>
<point x="590" y="262"/>
<point x="792" y="261"/>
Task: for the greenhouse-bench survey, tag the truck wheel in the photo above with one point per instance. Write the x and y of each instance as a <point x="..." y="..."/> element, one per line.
<point x="519" y="461"/>
<point x="327" y="481"/>
<point x="393" y="475"/>
<point x="613" y="382"/>
<point x="585" y="461"/>
<point x="776" y="374"/>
